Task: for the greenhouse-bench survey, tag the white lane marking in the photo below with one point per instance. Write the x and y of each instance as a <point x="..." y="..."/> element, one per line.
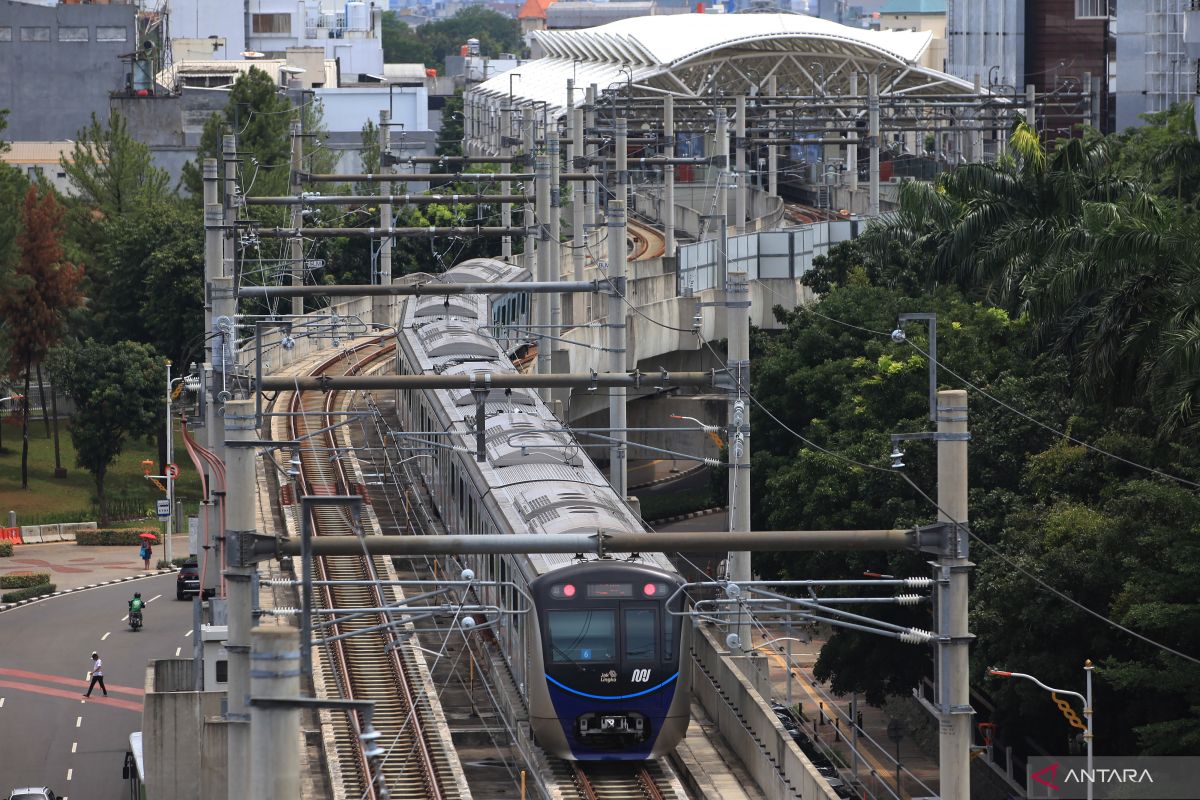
<point x="177" y="649"/>
<point x="189" y="633"/>
<point x="78" y="721"/>
<point x="70" y="772"/>
<point x="73" y="746"/>
<point x="124" y="618"/>
<point x="152" y="599"/>
<point x="105" y="636"/>
<point x="1" y="702"/>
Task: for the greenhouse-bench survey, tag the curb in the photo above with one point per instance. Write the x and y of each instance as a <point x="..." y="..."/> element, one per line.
<point x="682" y="517"/>
<point x="676" y="476"/>
<point x="10" y="606"/>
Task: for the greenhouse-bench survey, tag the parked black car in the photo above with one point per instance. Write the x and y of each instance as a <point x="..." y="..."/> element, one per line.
<point x="187" y="582"/>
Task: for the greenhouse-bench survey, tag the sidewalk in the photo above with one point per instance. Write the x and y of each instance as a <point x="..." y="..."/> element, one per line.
<point x="828" y="724"/>
<point x="73" y="566"/>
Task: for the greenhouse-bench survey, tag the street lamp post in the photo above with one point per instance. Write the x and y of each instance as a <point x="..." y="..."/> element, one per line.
<point x="1064" y="707"/>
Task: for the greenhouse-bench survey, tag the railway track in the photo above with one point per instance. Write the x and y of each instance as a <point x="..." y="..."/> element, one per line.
<point x="617" y="780"/>
<point x="365" y="657"/>
<point x="644" y="241"/>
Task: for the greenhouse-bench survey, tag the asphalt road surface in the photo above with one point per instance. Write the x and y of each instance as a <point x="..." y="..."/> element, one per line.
<point x="50" y="735"/>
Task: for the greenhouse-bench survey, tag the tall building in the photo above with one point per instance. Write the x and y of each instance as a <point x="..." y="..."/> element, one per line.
<point x="1153" y="65"/>
<point x="987" y="38"/>
<point x="1052" y="44"/>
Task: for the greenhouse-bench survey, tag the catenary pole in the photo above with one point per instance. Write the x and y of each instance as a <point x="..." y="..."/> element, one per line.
<point x="737" y="314"/>
<point x="296" y="244"/>
<point x="953" y="569"/>
<point x="873" y="143"/>
<point x="541" y="302"/>
<point x="739" y="176"/>
<point x="506" y="116"/>
<point x="616" y="337"/>
<point x="379" y="311"/>
<point x="668" y="212"/>
<point x="275" y="728"/>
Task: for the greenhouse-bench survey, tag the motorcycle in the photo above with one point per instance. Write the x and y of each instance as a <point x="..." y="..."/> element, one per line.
<point x="135" y="620"/>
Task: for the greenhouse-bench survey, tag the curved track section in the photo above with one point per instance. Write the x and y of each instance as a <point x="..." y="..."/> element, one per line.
<point x="364" y="655"/>
<point x="644" y="241"/>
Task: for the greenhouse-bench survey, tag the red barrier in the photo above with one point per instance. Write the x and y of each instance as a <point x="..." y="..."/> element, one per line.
<point x="11" y="535"/>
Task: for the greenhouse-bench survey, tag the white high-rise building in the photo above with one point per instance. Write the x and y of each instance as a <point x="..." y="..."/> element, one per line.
<point x="1154" y="68"/>
<point x="987" y="38"/>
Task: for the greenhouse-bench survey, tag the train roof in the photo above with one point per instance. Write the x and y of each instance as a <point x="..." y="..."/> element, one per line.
<point x="535" y="471"/>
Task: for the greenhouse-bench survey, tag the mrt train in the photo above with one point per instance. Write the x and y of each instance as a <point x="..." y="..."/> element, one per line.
<point x="598" y="659"/>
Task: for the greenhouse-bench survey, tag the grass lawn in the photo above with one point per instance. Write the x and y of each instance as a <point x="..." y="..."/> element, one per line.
<point x="72" y="498"/>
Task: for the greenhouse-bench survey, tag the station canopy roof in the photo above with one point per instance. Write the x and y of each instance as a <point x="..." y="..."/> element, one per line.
<point x="698" y="55"/>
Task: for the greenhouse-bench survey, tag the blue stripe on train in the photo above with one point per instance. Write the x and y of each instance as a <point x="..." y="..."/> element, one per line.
<point x="613" y="697"/>
<point x="570" y="703"/>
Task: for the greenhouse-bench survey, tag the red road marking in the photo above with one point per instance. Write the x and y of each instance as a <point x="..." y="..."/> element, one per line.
<point x="38" y="676"/>
<point x="68" y="695"/>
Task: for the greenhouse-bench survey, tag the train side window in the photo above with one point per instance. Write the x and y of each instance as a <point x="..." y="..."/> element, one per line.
<point x="670" y="634"/>
<point x="640" y="634"/>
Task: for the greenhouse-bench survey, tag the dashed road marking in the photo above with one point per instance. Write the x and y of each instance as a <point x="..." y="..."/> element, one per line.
<point x="70" y="772"/>
<point x="189" y="633"/>
<point x="177" y="650"/>
<point x="78" y="722"/>
<point x="74" y="745"/>
<point x="105" y="636"/>
<point x="152" y="599"/>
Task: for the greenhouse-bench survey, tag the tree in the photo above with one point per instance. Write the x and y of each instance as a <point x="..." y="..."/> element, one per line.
<point x="112" y="172"/>
<point x="36" y="296"/>
<point x="261" y="117"/>
<point x="117" y="390"/>
<point x="431" y="43"/>
<point x="450" y="137"/>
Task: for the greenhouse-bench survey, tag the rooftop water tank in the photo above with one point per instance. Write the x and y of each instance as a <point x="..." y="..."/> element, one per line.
<point x="358" y="18"/>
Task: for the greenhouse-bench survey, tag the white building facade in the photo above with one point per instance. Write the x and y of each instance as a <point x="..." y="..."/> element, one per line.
<point x="349" y="32"/>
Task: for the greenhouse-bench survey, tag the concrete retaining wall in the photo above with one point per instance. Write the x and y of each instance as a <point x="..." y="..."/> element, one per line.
<point x="747" y="723"/>
<point x="180" y="752"/>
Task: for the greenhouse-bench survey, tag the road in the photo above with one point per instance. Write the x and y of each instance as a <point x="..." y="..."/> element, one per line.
<point x="51" y="736"/>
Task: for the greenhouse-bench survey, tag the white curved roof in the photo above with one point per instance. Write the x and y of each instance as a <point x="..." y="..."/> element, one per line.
<point x="669" y="39"/>
<point x="690" y="55"/>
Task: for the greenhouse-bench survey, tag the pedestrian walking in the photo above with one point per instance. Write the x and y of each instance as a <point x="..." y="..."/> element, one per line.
<point x="97" y="676"/>
<point x="145" y="553"/>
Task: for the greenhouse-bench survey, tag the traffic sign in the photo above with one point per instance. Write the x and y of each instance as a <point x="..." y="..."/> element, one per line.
<point x="172" y="471"/>
<point x="164" y="509"/>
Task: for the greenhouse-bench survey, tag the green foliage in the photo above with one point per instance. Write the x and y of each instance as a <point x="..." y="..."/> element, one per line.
<point x="27" y="594"/>
<point x="260" y="117"/>
<point x="431" y="43"/>
<point x="6" y="549"/>
<point x="113" y="537"/>
<point x="450" y="137"/>
<point x="22" y="580"/>
<point x="147" y="281"/>
<point x="112" y="172"/>
<point x="117" y="392"/>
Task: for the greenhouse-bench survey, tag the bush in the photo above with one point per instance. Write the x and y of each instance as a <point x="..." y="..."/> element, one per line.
<point x="6" y="549"/>
<point x="25" y="594"/>
<point x="113" y="536"/>
<point x="23" y="580"/>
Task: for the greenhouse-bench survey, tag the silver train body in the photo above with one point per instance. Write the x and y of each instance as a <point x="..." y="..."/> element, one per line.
<point x="597" y="661"/>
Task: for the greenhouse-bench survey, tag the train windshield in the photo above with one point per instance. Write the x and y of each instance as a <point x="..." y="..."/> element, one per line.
<point x="640" y="634"/>
<point x="583" y="636"/>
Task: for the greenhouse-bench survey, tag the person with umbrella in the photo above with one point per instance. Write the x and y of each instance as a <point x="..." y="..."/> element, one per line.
<point x="146" y="550"/>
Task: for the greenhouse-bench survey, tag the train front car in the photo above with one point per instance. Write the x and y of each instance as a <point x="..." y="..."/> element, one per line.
<point x="611" y="653"/>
